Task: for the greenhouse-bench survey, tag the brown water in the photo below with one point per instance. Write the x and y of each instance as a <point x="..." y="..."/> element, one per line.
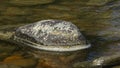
<point x="98" y="20"/>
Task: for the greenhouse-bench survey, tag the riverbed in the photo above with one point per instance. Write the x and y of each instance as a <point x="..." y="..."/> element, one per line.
<point x="98" y="20"/>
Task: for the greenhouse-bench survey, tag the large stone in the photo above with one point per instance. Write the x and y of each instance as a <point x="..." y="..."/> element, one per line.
<point x="30" y="2"/>
<point x="52" y="35"/>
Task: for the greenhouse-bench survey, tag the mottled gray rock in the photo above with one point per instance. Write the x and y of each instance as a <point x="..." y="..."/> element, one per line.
<point x="30" y="2"/>
<point x="53" y="35"/>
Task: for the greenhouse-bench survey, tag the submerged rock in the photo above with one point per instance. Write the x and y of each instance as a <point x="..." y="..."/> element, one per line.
<point x="30" y="2"/>
<point x="51" y="35"/>
<point x="56" y="40"/>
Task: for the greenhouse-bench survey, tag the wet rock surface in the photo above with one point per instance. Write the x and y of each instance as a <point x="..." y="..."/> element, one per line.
<point x="97" y="19"/>
<point x="52" y="32"/>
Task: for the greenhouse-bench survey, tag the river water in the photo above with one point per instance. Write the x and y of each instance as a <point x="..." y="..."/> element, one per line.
<point x="98" y="20"/>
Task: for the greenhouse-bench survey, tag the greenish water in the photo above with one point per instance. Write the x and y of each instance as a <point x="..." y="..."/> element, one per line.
<point x="98" y="20"/>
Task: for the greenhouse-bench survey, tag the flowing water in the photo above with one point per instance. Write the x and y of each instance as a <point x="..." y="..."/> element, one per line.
<point x="98" y="20"/>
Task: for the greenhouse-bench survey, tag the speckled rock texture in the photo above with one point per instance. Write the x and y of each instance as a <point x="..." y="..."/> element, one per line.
<point x="53" y="34"/>
<point x="98" y="20"/>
